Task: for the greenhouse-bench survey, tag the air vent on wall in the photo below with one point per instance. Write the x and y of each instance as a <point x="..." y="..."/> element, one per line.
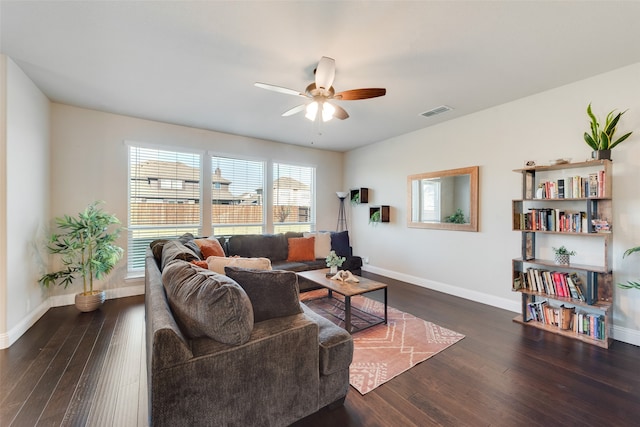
<point x="438" y="110"/>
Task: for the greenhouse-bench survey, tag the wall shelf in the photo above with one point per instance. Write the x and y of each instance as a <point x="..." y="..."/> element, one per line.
<point x="361" y="193"/>
<point x="384" y="213"/>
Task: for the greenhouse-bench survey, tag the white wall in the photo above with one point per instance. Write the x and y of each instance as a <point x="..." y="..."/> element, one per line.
<point x="25" y="204"/>
<point x="89" y="162"/>
<point x="542" y="127"/>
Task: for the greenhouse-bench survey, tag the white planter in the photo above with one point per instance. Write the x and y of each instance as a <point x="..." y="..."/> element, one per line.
<point x="90" y="301"/>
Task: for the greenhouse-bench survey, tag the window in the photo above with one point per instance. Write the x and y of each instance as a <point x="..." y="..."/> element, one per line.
<point x="293" y="195"/>
<point x="431" y="200"/>
<point x="164" y="198"/>
<point x="237" y="196"/>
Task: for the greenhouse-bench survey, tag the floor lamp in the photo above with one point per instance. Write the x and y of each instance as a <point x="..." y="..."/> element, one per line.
<point x="342" y="218"/>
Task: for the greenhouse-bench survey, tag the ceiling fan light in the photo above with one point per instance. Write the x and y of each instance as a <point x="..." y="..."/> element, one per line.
<point x="312" y="111"/>
<point x="327" y="111"/>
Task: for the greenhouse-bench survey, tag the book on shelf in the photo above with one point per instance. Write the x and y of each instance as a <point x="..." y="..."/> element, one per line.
<point x="567" y="319"/>
<point x="571" y="187"/>
<point x="552" y="283"/>
<point x="593" y="184"/>
<point x="557" y="220"/>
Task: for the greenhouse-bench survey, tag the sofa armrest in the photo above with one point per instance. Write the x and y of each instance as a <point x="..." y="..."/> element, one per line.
<point x="272" y="379"/>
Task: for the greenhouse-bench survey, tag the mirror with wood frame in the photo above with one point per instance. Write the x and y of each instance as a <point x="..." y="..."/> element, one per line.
<point x="446" y="200"/>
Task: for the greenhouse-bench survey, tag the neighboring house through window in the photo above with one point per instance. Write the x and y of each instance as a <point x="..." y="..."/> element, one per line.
<point x="164" y="198"/>
<point x="237" y="202"/>
<point x="165" y="192"/>
<point x="293" y="195"/>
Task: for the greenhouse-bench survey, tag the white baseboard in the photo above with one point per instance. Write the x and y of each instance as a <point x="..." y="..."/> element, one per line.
<point x="8" y="338"/>
<point x="16" y="332"/>
<point x="629" y="336"/>
<point x="448" y="289"/>
<point x="127" y="291"/>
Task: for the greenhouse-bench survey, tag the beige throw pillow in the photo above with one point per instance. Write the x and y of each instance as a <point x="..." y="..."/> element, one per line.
<point x="217" y="263"/>
<point x="322" y="243"/>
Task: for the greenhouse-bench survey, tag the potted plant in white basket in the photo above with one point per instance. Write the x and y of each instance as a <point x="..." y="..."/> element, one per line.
<point x="334" y="261"/>
<point x="87" y="250"/>
<point x="562" y="255"/>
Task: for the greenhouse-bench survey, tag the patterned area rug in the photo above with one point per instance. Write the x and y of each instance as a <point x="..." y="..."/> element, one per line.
<point x="382" y="352"/>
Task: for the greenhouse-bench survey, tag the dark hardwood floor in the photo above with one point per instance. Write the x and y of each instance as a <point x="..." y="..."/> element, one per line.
<point x="89" y="369"/>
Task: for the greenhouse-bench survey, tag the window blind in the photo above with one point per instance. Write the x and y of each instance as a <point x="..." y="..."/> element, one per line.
<point x="293" y="196"/>
<point x="237" y="196"/>
<point x="164" y="198"/>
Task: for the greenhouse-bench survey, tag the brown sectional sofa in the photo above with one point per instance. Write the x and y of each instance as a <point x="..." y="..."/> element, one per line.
<point x="287" y="364"/>
<point x="275" y="247"/>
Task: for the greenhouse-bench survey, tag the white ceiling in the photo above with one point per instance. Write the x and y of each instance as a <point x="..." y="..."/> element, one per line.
<point x="194" y="63"/>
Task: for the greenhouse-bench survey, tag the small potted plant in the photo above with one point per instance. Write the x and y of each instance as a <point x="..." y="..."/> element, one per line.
<point x="376" y="217"/>
<point x="87" y="249"/>
<point x="601" y="139"/>
<point x="562" y="255"/>
<point x="334" y="261"/>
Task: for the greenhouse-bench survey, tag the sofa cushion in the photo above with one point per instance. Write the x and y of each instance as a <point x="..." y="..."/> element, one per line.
<point x="336" y="344"/>
<point x="218" y="264"/>
<point x="174" y="250"/>
<point x="272" y="246"/>
<point x="201" y="264"/>
<point x="322" y="243"/>
<point x="299" y="265"/>
<point x="340" y="243"/>
<point x="301" y="249"/>
<point x="158" y="244"/>
<point x="208" y="304"/>
<point x="191" y="244"/>
<point x="209" y="247"/>
<point x="272" y="293"/>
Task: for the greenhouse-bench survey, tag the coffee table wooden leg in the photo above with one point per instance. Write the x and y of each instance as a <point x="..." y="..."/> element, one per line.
<point x="347" y="313"/>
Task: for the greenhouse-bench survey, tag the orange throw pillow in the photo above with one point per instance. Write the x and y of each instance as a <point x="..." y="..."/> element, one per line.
<point x="201" y="264"/>
<point x="301" y="249"/>
<point x="209" y="247"/>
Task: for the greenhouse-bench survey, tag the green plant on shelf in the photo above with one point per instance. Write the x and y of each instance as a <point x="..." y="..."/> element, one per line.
<point x="563" y="251"/>
<point x="375" y="217"/>
<point x="355" y="199"/>
<point x="601" y="138"/>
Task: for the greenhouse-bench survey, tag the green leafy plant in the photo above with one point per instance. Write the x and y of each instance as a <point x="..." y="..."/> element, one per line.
<point x="563" y="251"/>
<point x="456" y="218"/>
<point x="334" y="260"/>
<point x="355" y="199"/>
<point x="375" y="217"/>
<point x="602" y="138"/>
<point x="86" y="247"/>
<point x="630" y="284"/>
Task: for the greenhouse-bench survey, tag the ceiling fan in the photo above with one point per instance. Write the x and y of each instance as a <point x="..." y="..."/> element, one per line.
<point x="321" y="92"/>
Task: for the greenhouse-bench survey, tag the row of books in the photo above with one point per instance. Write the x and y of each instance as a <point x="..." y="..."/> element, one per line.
<point x="548" y="219"/>
<point x="566" y="318"/>
<point x="568" y="285"/>
<point x="574" y="187"/>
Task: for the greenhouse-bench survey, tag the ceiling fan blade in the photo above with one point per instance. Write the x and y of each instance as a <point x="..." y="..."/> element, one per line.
<point x="279" y="89"/>
<point x="340" y="112"/>
<point x="294" y="110"/>
<point x="354" y="94"/>
<point x="325" y="73"/>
